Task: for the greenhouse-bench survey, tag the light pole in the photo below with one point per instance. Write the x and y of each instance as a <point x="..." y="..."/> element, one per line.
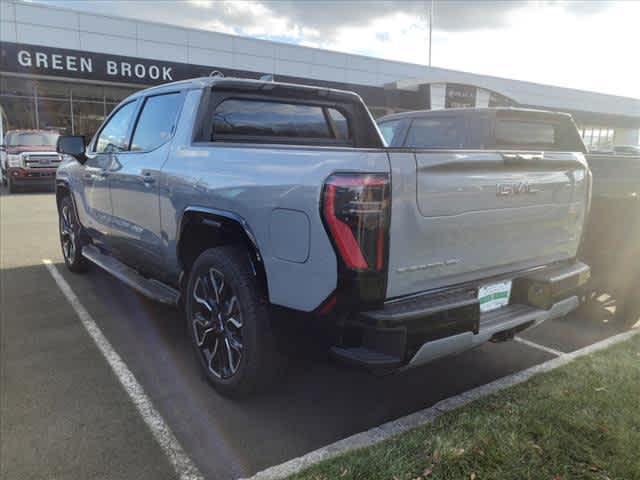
<point x="430" y="28"/>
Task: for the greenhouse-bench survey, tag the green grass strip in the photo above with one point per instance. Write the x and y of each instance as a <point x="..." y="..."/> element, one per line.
<point x="581" y="421"/>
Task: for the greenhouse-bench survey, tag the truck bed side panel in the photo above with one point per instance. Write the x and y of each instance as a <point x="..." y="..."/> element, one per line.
<point x="266" y="186"/>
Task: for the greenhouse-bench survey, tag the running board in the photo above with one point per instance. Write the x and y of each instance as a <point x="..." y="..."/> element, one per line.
<point x="148" y="287"/>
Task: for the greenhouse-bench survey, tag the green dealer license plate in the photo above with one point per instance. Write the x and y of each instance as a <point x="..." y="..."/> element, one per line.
<point x="494" y="296"/>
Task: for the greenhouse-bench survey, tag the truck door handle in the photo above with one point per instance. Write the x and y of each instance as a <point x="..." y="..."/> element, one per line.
<point x="96" y="175"/>
<point x="148" y="179"/>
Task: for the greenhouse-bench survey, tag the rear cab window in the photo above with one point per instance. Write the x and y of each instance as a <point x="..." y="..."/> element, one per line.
<point x="488" y="130"/>
<point x="534" y="131"/>
<point x="277" y="121"/>
<point x="442" y="132"/>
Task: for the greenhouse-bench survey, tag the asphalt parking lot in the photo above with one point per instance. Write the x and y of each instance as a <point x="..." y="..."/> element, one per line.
<point x="64" y="415"/>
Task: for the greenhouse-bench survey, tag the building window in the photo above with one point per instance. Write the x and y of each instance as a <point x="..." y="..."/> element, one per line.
<point x="598" y="138"/>
<point x="67" y="107"/>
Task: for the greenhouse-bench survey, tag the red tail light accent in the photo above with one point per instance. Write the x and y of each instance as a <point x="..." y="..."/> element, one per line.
<point x="328" y="305"/>
<point x="356" y="211"/>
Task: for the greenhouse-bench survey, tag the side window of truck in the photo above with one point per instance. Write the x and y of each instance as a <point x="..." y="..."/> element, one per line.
<point x="441" y="132"/>
<point x="389" y="130"/>
<point x="156" y="121"/>
<point x="113" y="136"/>
<point x="248" y="120"/>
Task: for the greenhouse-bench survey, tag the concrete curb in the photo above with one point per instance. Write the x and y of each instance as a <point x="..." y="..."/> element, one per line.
<point x="428" y="415"/>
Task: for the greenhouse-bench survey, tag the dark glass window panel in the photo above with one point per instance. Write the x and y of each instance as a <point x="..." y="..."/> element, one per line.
<point x="117" y="94"/>
<point x="113" y="137"/>
<point x="17" y="86"/>
<point x="81" y="91"/>
<point x="519" y="133"/>
<point x="87" y="117"/>
<point x="109" y="107"/>
<point x="19" y="112"/>
<point x="270" y="119"/>
<point x="51" y="89"/>
<point x="497" y="100"/>
<point x="156" y="122"/>
<point x="54" y="114"/>
<point x="435" y="133"/>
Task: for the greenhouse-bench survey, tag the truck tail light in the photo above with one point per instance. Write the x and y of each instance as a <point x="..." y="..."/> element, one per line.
<point x="356" y="211"/>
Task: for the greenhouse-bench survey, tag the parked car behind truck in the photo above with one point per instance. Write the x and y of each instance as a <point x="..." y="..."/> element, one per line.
<point x="612" y="238"/>
<point x="29" y="158"/>
<point x="233" y="197"/>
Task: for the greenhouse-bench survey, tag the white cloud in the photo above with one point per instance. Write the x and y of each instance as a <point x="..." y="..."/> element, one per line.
<point x="399" y="36"/>
<point x="589" y="45"/>
<point x="551" y="45"/>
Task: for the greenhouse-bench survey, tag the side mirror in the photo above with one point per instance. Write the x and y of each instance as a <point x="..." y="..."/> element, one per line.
<point x="72" y="145"/>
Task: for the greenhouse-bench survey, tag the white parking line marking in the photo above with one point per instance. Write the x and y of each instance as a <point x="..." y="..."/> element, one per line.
<point x="420" y="418"/>
<point x="180" y="461"/>
<point x="531" y="344"/>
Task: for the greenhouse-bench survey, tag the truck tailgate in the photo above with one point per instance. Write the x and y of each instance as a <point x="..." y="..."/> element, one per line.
<point x="463" y="216"/>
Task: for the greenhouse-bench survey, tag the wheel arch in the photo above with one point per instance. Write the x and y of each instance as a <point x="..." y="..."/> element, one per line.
<point x="202" y="228"/>
<point x="62" y="189"/>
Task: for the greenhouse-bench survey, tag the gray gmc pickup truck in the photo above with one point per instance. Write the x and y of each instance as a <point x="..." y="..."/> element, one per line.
<point x="240" y="200"/>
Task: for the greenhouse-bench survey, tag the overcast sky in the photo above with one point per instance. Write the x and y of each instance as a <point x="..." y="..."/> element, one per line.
<point x="590" y="45"/>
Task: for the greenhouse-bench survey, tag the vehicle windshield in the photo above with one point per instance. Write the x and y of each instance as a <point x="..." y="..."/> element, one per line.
<point x="32" y="139"/>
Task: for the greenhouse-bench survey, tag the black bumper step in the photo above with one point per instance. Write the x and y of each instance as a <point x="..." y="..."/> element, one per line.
<point x="363" y="357"/>
<point x="419" y="329"/>
<point x="407" y="310"/>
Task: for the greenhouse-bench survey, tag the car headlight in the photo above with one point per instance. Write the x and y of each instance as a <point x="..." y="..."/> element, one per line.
<point x="14" y="160"/>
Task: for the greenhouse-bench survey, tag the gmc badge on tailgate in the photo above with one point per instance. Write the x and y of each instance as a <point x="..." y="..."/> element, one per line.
<point x="516" y="188"/>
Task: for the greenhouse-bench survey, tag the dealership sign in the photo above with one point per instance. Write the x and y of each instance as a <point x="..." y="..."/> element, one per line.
<point x="98" y="66"/>
<point x="77" y="64"/>
<point x="457" y="95"/>
<point x="84" y="64"/>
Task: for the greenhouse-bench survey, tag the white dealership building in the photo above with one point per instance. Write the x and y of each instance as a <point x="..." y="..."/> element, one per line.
<point x="66" y="70"/>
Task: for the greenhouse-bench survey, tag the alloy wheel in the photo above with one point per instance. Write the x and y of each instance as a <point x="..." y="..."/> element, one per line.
<point x="217" y="324"/>
<point x="67" y="233"/>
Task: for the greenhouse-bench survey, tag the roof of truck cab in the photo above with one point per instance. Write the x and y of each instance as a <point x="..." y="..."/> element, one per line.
<point x="243" y="84"/>
<point x="466" y="112"/>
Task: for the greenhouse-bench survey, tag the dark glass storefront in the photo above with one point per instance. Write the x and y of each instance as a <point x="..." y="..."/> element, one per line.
<point x="72" y="91"/>
<point x="69" y="107"/>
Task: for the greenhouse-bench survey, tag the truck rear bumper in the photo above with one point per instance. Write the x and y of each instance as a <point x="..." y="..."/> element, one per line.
<point x="415" y="331"/>
<point x="504" y="322"/>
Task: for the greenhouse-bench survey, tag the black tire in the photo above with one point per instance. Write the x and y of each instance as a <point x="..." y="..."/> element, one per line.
<point x="227" y="317"/>
<point x="71" y="236"/>
<point x="629" y="313"/>
<point x="11" y="186"/>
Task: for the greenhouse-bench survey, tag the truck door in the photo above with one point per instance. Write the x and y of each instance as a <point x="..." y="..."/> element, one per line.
<point x="134" y="183"/>
<point x="111" y="143"/>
